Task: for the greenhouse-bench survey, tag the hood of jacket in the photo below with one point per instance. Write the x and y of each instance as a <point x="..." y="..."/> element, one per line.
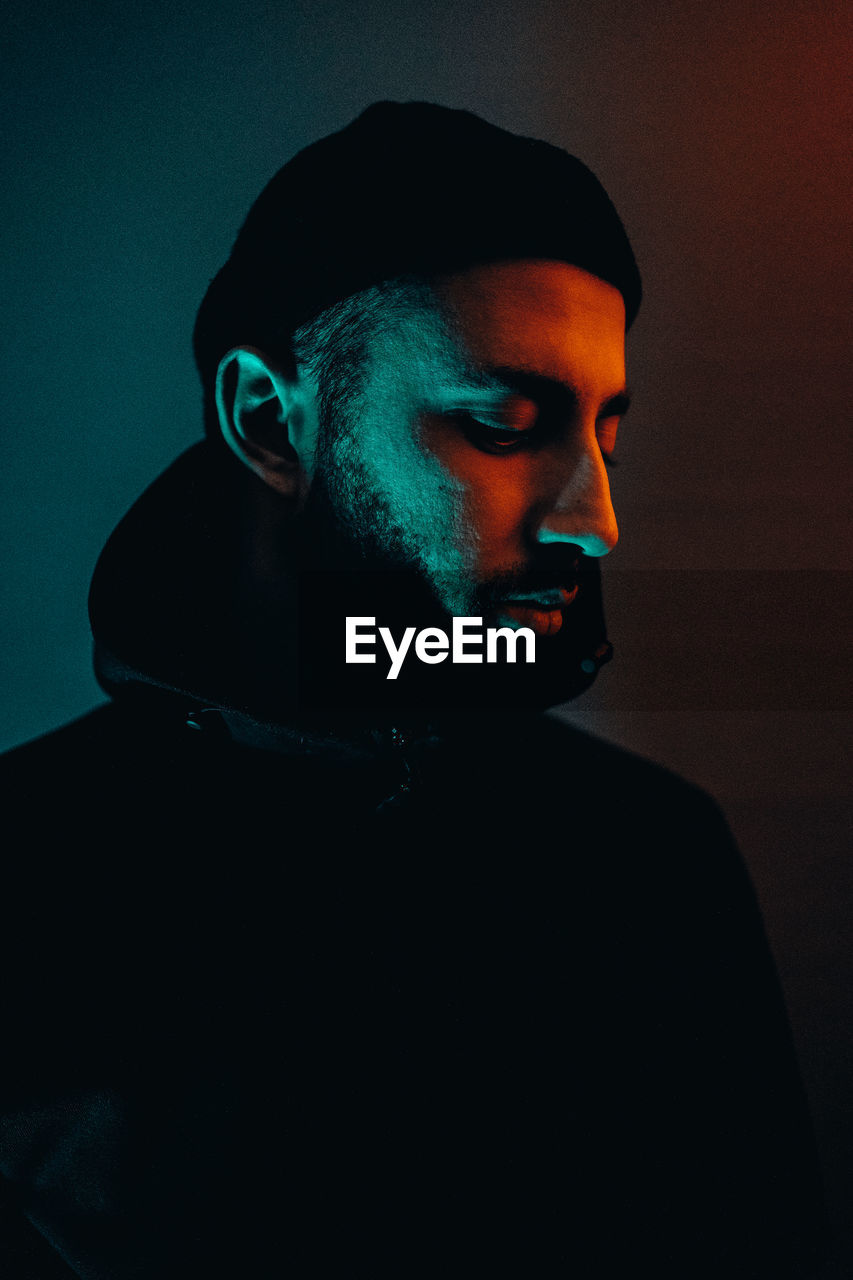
<point x="168" y="628"/>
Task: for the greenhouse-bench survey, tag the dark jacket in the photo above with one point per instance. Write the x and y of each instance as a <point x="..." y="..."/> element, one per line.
<point x="491" y="1000"/>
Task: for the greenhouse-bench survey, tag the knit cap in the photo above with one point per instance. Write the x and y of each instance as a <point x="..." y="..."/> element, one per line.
<point x="407" y="188"/>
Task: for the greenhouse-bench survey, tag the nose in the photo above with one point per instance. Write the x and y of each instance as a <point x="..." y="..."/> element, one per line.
<point x="582" y="511"/>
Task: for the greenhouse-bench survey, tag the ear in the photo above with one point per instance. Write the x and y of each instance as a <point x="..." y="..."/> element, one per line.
<point x="267" y="419"/>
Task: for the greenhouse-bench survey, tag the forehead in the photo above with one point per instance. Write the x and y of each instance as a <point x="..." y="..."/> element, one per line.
<point x="549" y="317"/>
<point x="539" y="317"/>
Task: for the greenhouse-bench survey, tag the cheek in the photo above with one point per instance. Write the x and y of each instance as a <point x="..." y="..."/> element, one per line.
<point x="491" y="496"/>
<point x="496" y="503"/>
<point x="423" y="503"/>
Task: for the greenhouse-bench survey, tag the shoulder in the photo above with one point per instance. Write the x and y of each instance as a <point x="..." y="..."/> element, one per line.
<point x="111" y="740"/>
<point x="572" y="756"/>
<point x="114" y="774"/>
<point x="89" y="756"/>
<point x="88" y="735"/>
<point x="648" y="817"/>
<point x="570" y="770"/>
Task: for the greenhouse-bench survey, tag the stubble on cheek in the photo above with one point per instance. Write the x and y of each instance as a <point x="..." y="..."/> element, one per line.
<point x="391" y="488"/>
<point x="404" y="508"/>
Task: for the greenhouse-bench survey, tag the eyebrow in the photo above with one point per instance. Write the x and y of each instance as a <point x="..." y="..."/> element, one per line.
<point x="550" y="393"/>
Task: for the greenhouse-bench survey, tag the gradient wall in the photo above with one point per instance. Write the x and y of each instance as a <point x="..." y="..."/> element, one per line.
<point x="135" y="138"/>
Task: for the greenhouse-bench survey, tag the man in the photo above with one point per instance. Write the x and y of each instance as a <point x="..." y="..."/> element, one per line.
<point x="340" y="967"/>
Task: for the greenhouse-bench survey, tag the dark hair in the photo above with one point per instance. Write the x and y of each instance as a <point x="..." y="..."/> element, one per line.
<point x="332" y="347"/>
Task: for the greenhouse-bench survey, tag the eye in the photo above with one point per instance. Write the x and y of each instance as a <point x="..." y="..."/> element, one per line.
<point x="491" y="436"/>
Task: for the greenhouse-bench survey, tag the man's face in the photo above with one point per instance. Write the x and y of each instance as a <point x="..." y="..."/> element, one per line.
<point x="474" y="451"/>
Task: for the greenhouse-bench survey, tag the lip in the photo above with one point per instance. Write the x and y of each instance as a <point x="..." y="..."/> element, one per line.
<point x="541" y="611"/>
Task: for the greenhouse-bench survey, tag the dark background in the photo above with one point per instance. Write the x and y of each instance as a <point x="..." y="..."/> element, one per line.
<point x="135" y="138"/>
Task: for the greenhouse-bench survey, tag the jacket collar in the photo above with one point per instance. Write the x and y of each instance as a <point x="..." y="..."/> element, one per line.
<point x="169" y="636"/>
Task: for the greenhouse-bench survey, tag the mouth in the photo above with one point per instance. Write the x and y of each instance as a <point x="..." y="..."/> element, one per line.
<point x="541" y="611"/>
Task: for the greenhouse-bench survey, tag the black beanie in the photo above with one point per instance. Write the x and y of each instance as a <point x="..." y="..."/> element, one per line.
<point x="406" y="188"/>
